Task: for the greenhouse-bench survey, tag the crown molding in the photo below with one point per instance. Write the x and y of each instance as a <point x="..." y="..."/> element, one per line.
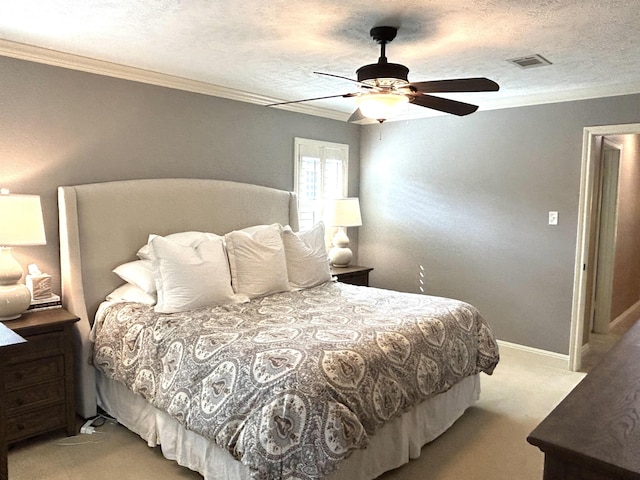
<point x="81" y="63"/>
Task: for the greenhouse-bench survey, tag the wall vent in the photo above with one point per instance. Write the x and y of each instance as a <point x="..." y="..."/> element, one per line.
<point x="530" y="61"/>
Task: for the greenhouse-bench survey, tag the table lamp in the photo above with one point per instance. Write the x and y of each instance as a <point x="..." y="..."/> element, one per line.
<point x="21" y="224"/>
<point x="342" y="213"/>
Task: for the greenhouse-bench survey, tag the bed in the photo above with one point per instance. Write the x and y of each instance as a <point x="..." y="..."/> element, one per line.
<point x="104" y="225"/>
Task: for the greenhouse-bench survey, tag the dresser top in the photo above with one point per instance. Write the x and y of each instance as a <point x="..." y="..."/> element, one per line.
<point x="598" y="421"/>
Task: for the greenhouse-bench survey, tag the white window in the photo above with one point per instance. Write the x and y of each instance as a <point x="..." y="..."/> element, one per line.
<point x="320" y="173"/>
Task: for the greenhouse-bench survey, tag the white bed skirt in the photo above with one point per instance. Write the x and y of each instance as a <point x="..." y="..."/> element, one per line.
<point x="392" y="446"/>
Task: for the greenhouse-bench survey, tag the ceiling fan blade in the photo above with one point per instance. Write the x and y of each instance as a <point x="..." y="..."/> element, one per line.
<point x="365" y="85"/>
<point x="443" y="104"/>
<point x="479" y="84"/>
<point x="356" y="116"/>
<point x="344" y="95"/>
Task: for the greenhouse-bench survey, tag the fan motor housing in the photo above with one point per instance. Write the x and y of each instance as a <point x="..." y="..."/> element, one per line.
<point x="376" y="71"/>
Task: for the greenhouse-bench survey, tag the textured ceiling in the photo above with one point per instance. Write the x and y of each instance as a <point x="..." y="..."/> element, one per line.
<point x="270" y="48"/>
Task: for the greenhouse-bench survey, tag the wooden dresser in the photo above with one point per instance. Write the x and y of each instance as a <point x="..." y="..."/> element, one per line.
<point x="594" y="433"/>
<point x="39" y="389"/>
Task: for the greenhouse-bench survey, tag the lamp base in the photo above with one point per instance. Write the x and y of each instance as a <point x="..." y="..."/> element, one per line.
<point x="14" y="301"/>
<point x="340" y="256"/>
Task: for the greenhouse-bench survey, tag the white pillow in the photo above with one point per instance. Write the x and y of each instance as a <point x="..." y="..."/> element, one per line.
<point x="191" y="277"/>
<point x="254" y="228"/>
<point x="138" y="273"/>
<point x="307" y="259"/>
<point x="131" y="293"/>
<point x="257" y="261"/>
<point x="188" y="239"/>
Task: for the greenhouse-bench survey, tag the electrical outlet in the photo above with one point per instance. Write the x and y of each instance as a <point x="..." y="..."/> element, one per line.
<point x="553" y="218"/>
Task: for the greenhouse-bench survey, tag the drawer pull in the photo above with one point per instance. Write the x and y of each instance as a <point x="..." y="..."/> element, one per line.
<point x="21" y="426"/>
<point x="19" y="401"/>
<point x="19" y="375"/>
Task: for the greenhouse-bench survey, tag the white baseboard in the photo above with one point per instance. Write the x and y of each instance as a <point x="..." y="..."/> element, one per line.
<point x="632" y="311"/>
<point x="541" y="357"/>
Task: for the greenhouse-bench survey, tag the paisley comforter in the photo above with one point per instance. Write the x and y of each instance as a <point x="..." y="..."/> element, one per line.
<point x="292" y="383"/>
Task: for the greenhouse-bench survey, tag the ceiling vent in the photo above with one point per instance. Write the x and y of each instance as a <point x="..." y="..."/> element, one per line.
<point x="530" y="61"/>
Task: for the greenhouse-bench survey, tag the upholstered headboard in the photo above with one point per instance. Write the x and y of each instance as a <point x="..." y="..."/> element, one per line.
<point x="102" y="225"/>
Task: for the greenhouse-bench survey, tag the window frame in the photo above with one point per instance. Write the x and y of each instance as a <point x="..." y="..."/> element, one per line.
<point x="320" y="146"/>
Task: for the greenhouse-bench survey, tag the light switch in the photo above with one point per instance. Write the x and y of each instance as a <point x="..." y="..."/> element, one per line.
<point x="553" y="218"/>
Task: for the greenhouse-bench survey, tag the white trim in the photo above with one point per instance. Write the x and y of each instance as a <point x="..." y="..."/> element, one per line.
<point x="632" y="311"/>
<point x="582" y="250"/>
<point x="582" y="242"/>
<point x="86" y="64"/>
<point x="541" y="357"/>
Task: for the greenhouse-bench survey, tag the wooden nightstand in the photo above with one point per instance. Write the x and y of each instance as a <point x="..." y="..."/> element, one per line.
<point x="39" y="393"/>
<point x="353" y="274"/>
<point x="9" y="341"/>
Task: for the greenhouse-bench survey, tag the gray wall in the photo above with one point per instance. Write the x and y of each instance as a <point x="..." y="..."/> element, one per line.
<point x="468" y="199"/>
<point x="63" y="127"/>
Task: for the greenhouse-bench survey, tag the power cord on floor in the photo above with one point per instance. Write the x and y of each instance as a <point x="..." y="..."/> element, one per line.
<point x="89" y="428"/>
<point x="82" y="440"/>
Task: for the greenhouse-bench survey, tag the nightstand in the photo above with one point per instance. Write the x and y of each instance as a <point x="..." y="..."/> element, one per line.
<point x="39" y="392"/>
<point x="353" y="274"/>
<point x="9" y="341"/>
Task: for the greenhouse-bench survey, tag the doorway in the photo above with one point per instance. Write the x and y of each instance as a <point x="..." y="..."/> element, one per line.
<point x="605" y="242"/>
<point x="588" y="235"/>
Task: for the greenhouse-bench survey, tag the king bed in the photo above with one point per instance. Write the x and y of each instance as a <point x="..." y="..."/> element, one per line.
<point x="286" y="374"/>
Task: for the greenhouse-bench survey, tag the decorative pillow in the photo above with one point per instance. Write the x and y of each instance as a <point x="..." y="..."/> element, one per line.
<point x="257" y="261"/>
<point x="191" y="277"/>
<point x="138" y="273"/>
<point x="188" y="239"/>
<point x="253" y="229"/>
<point x="307" y="259"/>
<point x="131" y="293"/>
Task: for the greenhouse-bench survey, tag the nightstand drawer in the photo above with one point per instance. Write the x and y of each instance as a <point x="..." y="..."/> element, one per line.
<point x="36" y="396"/>
<point x="33" y="372"/>
<point x="38" y="346"/>
<point x="36" y="422"/>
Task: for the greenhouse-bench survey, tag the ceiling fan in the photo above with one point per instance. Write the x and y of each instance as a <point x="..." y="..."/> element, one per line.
<point x="384" y="87"/>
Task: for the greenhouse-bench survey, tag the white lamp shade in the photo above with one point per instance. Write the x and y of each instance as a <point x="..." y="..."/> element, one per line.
<point x="21" y="220"/>
<point x="381" y="106"/>
<point x="342" y="212"/>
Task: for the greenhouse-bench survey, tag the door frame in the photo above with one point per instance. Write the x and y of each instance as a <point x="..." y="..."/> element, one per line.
<point x="586" y="215"/>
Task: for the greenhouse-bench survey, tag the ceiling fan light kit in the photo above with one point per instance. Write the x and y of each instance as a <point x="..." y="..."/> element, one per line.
<point x="385" y="87"/>
<point x="381" y="106"/>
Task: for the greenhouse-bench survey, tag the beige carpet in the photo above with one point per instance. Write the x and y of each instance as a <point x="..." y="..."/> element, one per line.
<point x="487" y="443"/>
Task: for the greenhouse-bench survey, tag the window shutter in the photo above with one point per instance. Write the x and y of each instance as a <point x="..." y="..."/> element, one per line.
<point x="320" y="173"/>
